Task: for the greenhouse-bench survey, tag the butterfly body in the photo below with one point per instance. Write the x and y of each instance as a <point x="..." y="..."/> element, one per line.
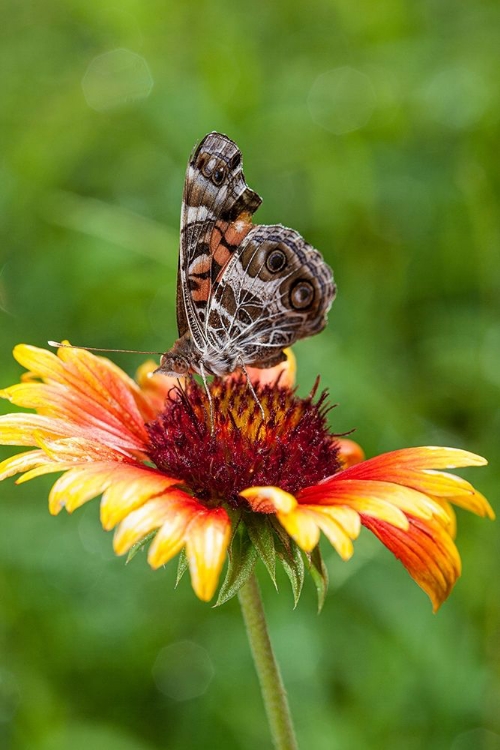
<point x="244" y="291"/>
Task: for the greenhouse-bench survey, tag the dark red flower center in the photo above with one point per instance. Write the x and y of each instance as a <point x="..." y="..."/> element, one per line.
<point x="218" y="452"/>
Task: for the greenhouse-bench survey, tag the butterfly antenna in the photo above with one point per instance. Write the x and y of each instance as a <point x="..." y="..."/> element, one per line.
<point x="59" y="344"/>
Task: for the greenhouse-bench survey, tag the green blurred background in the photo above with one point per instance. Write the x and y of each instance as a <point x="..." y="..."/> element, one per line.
<point x="372" y="128"/>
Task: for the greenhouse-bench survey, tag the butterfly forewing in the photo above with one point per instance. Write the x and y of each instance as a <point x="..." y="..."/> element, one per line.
<point x="216" y="211"/>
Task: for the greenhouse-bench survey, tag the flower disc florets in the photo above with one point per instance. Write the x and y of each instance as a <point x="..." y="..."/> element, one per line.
<point x="217" y="452"/>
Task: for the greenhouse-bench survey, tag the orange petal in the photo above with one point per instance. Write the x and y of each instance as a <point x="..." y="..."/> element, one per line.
<point x="146" y="409"/>
<point x="450" y="523"/>
<point x="378" y="499"/>
<point x="425" y="457"/>
<point x="350" y="453"/>
<point x="344" y="516"/>
<point x="40" y="362"/>
<point x="282" y="374"/>
<point x="52" y="467"/>
<point x="105" y="384"/>
<point x="304" y="522"/>
<point x="131" y="488"/>
<point x="269" y="499"/>
<point x="93" y="388"/>
<point x="80" y="484"/>
<point x="456" y="490"/>
<point x="171" y="536"/>
<point x="301" y="526"/>
<point x="20" y="429"/>
<point x="402" y="468"/>
<point x="22" y="462"/>
<point x="427" y="552"/>
<point x="77" y="450"/>
<point x="60" y="402"/>
<point x="140" y="522"/>
<point x="23" y="429"/>
<point x="156" y="388"/>
<point x="334" y="532"/>
<point x="208" y="536"/>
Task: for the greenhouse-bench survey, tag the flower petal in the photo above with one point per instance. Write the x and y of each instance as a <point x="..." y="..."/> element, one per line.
<point x="300" y="524"/>
<point x="22" y="462"/>
<point x="80" y="484"/>
<point x="269" y="499"/>
<point x="78" y="450"/>
<point x="20" y="429"/>
<point x="171" y="536"/>
<point x="339" y="524"/>
<point x="124" y="486"/>
<point x="334" y="532"/>
<point x="350" y="453"/>
<point x="282" y="375"/>
<point x="156" y="388"/>
<point x="427" y="552"/>
<point x="181" y="520"/>
<point x="140" y="522"/>
<point x="131" y="488"/>
<point x="24" y="429"/>
<point x="423" y="457"/>
<point x="58" y="401"/>
<point x="379" y="499"/>
<point x="40" y="362"/>
<point x="208" y="537"/>
<point x="89" y="391"/>
<point x="344" y="516"/>
<point x="52" y="467"/>
<point x="415" y="468"/>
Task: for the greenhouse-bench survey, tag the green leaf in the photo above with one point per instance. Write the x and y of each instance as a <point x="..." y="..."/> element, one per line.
<point x="319" y="574"/>
<point x="242" y="559"/>
<point x="181" y="566"/>
<point x="290" y="556"/>
<point x="135" y="548"/>
<point x="261" y="534"/>
<point x="294" y="568"/>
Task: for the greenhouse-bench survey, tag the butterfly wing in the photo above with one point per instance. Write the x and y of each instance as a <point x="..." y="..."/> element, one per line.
<point x="275" y="289"/>
<point x="244" y="292"/>
<point x="216" y="216"/>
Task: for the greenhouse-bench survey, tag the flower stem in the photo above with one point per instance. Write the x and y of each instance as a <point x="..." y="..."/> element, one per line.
<point x="271" y="684"/>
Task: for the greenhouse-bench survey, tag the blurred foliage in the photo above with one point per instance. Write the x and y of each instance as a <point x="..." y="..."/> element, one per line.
<point x="372" y="128"/>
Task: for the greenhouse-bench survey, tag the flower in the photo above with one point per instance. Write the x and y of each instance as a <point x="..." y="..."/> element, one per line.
<point x="203" y="474"/>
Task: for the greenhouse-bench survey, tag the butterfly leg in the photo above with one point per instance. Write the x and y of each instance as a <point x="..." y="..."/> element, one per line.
<point x="209" y="396"/>
<point x="252" y="390"/>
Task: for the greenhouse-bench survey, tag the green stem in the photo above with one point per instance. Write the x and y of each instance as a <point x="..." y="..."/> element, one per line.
<point x="271" y="684"/>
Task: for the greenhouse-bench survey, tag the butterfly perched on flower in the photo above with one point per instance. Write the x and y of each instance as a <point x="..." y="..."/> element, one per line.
<point x="245" y="292"/>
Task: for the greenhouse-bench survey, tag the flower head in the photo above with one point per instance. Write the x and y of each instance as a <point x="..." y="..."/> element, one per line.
<point x="204" y="472"/>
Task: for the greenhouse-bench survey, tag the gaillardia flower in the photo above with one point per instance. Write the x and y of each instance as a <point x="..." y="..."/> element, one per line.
<point x="213" y="478"/>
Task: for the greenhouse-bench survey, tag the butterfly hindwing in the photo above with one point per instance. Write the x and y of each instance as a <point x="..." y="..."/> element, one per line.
<point x="275" y="290"/>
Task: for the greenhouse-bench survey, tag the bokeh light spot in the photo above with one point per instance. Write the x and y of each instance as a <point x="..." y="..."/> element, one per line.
<point x="116" y="78"/>
<point x="456" y="97"/>
<point x="183" y="671"/>
<point x="341" y="100"/>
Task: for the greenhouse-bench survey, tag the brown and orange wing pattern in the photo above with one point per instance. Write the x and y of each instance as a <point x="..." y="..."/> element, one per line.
<point x="216" y="216"/>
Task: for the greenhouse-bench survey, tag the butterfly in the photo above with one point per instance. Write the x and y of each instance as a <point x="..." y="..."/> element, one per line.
<point x="245" y="292"/>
